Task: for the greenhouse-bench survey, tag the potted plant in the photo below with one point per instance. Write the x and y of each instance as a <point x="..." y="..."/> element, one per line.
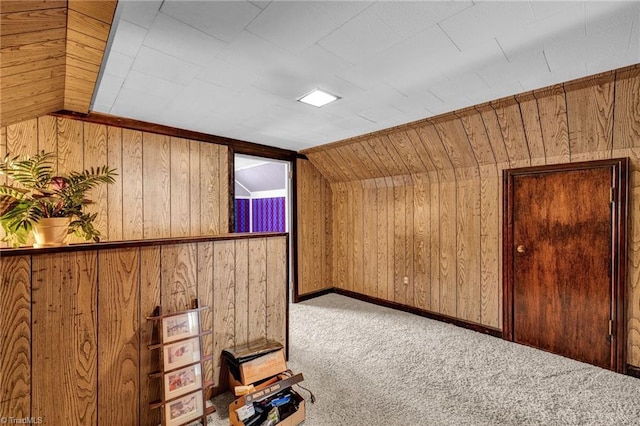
<point x="36" y="198"/>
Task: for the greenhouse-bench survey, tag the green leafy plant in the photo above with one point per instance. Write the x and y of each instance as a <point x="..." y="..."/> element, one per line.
<point x="34" y="191"/>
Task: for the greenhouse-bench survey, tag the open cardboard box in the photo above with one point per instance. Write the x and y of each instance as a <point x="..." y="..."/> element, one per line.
<point x="266" y="390"/>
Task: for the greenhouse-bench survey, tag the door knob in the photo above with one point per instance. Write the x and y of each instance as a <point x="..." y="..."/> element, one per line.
<point x="520" y="249"/>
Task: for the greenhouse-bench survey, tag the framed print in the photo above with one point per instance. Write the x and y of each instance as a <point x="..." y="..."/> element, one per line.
<point x="181" y="353"/>
<point x="182" y="381"/>
<point x="176" y="327"/>
<point x="183" y="409"/>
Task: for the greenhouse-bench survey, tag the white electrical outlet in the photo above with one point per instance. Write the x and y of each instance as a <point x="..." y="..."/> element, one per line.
<point x="406" y="280"/>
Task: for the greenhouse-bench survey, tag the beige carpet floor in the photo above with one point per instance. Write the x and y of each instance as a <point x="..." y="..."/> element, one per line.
<point x="369" y="365"/>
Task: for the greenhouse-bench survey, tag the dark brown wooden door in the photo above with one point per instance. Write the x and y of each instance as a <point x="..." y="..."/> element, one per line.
<point x="562" y="260"/>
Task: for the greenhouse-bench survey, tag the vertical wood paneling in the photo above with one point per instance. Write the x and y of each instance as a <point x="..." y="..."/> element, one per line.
<point x="210" y="186"/>
<point x="398" y="227"/>
<point x="421" y="243"/>
<point x="382" y="238"/>
<point x="349" y="245"/>
<point x="257" y="288"/>
<point x="150" y="388"/>
<point x="626" y="129"/>
<point x="95" y="156"/>
<point x="132" y="174"/>
<point x="340" y="234"/>
<point x="391" y="240"/>
<point x="22" y="138"/>
<point x="306" y="226"/>
<point x="205" y="295"/>
<point x="369" y="239"/>
<point x="468" y="250"/>
<point x="358" y="235"/>
<point x="434" y="240"/>
<point x="515" y="142"/>
<point x="223" y="303"/>
<point x="491" y="278"/>
<point x="115" y="190"/>
<point x="180" y="212"/>
<point x="315" y="221"/>
<point x="65" y="328"/>
<point x="156" y="175"/>
<point x="74" y="331"/>
<point x="15" y="336"/>
<point x="194" y="188"/>
<point x="494" y="133"/>
<point x="532" y="129"/>
<point x="70" y="145"/>
<point x="223" y="193"/>
<point x="448" y="247"/>
<point x="179" y="271"/>
<point x="47" y="134"/>
<point x="590" y="119"/>
<point x="70" y="152"/>
<point x="327" y="235"/>
<point x="409" y="289"/>
<point x="277" y="287"/>
<point x="241" y="280"/>
<point x="118" y="347"/>
<point x="555" y="128"/>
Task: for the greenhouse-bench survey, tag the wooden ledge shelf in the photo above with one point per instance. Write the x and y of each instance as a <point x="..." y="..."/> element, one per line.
<point x="21" y="251"/>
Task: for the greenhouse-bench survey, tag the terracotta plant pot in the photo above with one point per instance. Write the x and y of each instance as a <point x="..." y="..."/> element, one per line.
<point x="51" y="232"/>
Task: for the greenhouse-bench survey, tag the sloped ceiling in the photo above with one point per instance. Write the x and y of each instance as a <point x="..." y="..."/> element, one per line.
<point x="559" y="124"/>
<point x="50" y="55"/>
<point x="236" y="68"/>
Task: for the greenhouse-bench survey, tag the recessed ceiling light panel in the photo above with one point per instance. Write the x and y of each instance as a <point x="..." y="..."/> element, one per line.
<point x="318" y="98"/>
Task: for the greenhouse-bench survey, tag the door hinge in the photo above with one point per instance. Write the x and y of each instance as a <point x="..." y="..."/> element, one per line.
<point x="611" y="328"/>
<point x="612" y="195"/>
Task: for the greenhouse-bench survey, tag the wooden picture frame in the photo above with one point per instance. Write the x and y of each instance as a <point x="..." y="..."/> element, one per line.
<point x="184" y="380"/>
<point x="181" y="326"/>
<point x="181" y="353"/>
<point x="184" y="409"/>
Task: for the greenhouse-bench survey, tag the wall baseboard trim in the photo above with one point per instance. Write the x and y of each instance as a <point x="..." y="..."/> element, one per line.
<point x="314" y="294"/>
<point x="633" y="371"/>
<point x="405" y="308"/>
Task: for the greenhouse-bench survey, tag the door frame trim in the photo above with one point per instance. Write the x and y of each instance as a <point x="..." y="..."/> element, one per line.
<point x="619" y="167"/>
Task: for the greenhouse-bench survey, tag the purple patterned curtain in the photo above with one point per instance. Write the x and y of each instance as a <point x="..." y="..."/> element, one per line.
<point x="269" y="214"/>
<point x="242" y="215"/>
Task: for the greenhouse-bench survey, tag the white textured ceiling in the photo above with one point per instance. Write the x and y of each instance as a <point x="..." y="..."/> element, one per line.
<point x="236" y="68"/>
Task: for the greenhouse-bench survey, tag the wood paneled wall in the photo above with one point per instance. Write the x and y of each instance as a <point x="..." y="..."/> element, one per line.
<point x="73" y="328"/>
<point x="50" y="55"/>
<point x="166" y="186"/>
<point x="424" y="200"/>
<point x="314" y="229"/>
<point x="88" y="26"/>
<point x="32" y="58"/>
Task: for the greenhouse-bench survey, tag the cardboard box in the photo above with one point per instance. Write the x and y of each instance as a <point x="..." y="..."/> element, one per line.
<point x="266" y="391"/>
<point x="251" y="363"/>
<point x="260" y="368"/>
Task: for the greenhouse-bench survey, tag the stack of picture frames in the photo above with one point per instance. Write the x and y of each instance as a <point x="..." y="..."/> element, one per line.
<point x="183" y="388"/>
